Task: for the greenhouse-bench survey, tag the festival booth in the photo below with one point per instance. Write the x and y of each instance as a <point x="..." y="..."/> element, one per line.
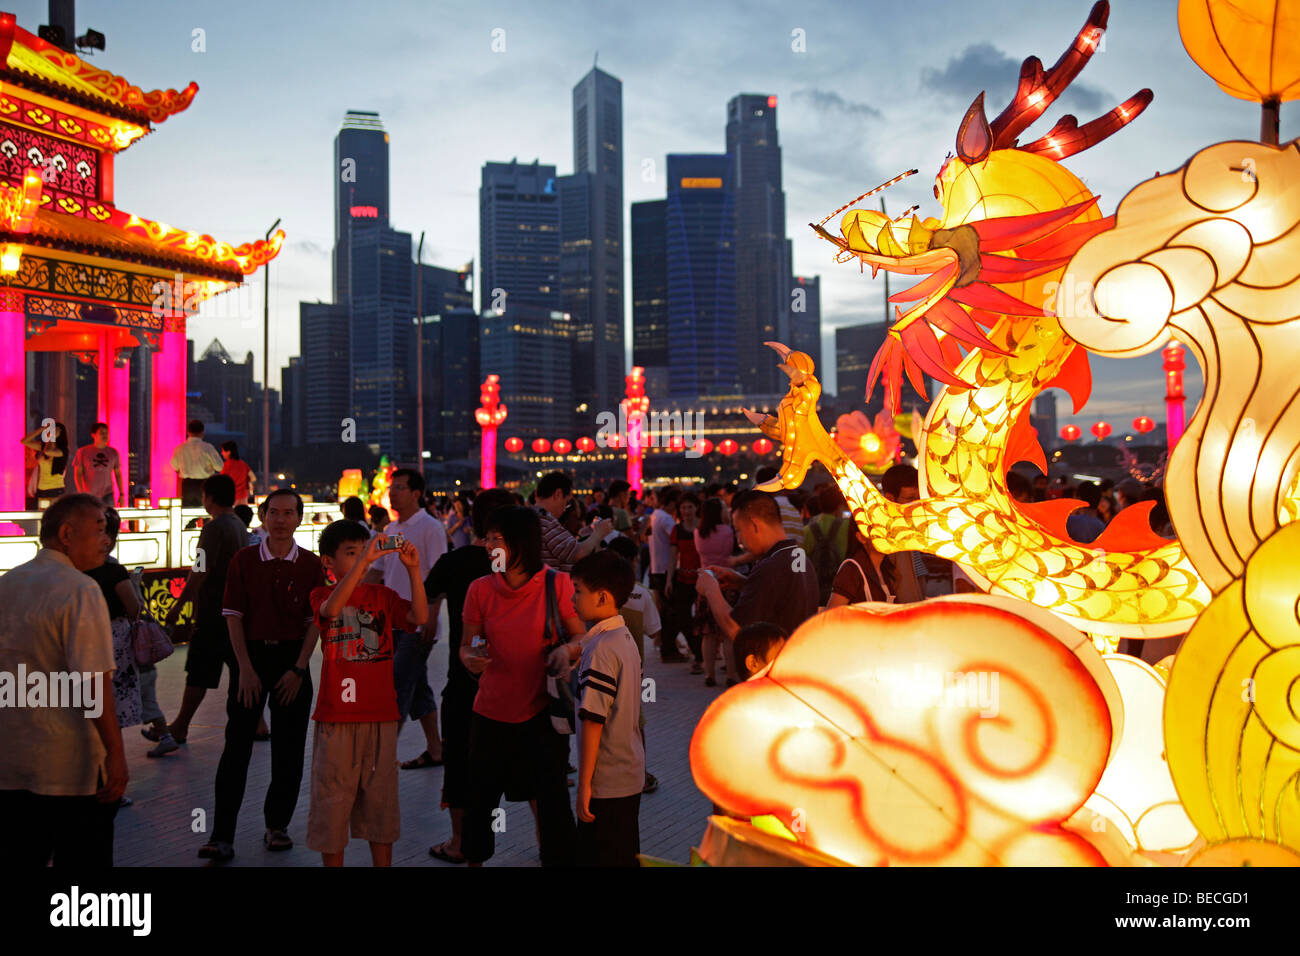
<point x="1005" y="728"/>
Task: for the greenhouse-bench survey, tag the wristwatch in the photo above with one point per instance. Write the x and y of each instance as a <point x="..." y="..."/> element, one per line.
<point x="301" y="672"/>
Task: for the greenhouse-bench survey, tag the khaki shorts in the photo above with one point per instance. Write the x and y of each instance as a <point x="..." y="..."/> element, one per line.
<point x="353" y="785"/>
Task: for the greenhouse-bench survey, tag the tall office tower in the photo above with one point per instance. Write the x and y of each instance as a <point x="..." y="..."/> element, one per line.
<point x="701" y="244"/>
<point x="855" y="349"/>
<point x="360" y="185"/>
<point x="806" y="317"/>
<point x="598" y="167"/>
<point x="225" y="388"/>
<point x="763" y="267"/>
<point x="456" y="334"/>
<point x="291" y="404"/>
<point x="531" y="349"/>
<point x="650" y="293"/>
<point x="327" y="371"/>
<point x="519" y="236"/>
<point x="381" y="309"/>
<point x="1043" y="418"/>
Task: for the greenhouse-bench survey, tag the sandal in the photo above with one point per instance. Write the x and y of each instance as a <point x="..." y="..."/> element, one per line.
<point x="420" y="762"/>
<point x="152" y="733"/>
<point x="277" y="840"/>
<point x="439" y="852"/>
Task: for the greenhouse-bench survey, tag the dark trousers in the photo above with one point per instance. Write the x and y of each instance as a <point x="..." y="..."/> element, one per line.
<point x="271" y="661"/>
<point x="457" y="717"/>
<point x="677" y="617"/>
<point x="522" y="758"/>
<point x="614" y="839"/>
<point x="192" y="492"/>
<point x="76" y="832"/>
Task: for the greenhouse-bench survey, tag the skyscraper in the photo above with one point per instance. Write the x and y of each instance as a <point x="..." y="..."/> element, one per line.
<point x="700" y="226"/>
<point x="598" y="170"/>
<point x="806" y="317"/>
<point x="650" y="293"/>
<point x="855" y="349"/>
<point x="519" y="235"/>
<point x="360" y="184"/>
<point x="763" y="267"/>
<point x="456" y="334"/>
<point x="327" y="372"/>
<point x="531" y="348"/>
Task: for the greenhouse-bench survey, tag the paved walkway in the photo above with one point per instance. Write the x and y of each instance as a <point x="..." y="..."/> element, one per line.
<point x="158" y="829"/>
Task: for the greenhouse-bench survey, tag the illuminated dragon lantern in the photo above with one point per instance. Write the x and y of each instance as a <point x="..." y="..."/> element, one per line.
<point x="983" y="327"/>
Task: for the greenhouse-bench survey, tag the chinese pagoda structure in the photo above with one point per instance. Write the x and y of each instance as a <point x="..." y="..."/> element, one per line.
<point x="80" y="275"/>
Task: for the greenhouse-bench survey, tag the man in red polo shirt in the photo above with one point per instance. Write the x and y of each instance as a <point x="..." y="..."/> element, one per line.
<point x="267" y="607"/>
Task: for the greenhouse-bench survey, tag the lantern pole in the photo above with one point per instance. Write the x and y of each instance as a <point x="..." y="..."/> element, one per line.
<point x="1270" y="120"/>
<point x="635" y="407"/>
<point x="489" y="418"/>
<point x="1174" y="397"/>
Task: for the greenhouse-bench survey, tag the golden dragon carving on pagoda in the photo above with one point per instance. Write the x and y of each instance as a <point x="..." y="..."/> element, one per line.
<point x="984" y="328"/>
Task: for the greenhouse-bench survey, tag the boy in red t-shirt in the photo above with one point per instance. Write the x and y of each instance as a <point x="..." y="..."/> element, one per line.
<point x="354" y="752"/>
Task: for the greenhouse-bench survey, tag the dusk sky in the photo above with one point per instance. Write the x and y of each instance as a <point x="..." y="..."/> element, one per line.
<point x="880" y="89"/>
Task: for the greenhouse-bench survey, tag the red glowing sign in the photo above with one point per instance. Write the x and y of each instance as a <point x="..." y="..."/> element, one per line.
<point x="365" y="212"/>
<point x="771" y="102"/>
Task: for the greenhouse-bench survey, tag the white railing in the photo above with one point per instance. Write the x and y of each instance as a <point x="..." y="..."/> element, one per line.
<point x="150" y="537"/>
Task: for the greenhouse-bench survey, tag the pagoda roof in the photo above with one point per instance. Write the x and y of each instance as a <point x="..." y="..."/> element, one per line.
<point x="34" y="64"/>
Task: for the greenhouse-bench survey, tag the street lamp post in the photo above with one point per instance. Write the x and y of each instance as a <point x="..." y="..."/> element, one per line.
<point x="419" y="349"/>
<point x="266" y="371"/>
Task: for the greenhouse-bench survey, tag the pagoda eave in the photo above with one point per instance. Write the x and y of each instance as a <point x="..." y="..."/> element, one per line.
<point x="156" y="264"/>
<point x="62" y="93"/>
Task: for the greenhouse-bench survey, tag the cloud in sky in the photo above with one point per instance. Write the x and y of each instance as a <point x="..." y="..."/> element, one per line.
<point x="982" y="66"/>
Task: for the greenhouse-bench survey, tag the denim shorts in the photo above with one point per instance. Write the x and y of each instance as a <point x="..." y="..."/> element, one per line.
<point x="411" y="676"/>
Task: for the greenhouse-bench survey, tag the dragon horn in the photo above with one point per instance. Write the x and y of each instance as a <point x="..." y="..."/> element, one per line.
<point x="781" y="350"/>
<point x="754" y="417"/>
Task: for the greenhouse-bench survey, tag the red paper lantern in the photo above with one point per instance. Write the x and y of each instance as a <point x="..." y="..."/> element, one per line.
<point x="586" y="444"/>
<point x="541" y="446"/>
<point x="1071" y="432"/>
<point x="728" y="447"/>
<point x="1101" y="430"/>
<point x="703" y="446"/>
<point x="514" y="444"/>
<point x="1143" y="424"/>
<point x="562" y="446"/>
<point x="763" y="446"/>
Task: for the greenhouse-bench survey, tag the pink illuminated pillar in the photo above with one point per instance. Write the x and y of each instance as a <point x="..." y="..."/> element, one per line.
<point x="167" y="427"/>
<point x="489" y="418"/>
<point x="1174" y="398"/>
<point x="13" y="396"/>
<point x="635" y="407"/>
<point x="114" y="397"/>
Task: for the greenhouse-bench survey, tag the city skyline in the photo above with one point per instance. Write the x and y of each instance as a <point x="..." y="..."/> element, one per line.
<point x="248" y="155"/>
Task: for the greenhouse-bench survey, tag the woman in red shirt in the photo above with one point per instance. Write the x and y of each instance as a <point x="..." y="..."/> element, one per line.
<point x="513" y="749"/>
<point x="238" y="471"/>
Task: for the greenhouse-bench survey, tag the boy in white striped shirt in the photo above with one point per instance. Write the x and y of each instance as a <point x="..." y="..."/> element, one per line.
<point x="611" y="757"/>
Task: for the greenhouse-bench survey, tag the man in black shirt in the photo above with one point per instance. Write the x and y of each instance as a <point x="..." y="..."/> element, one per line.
<point x="222" y="536"/>
<point x="782" y="587"/>
<point x="450" y="577"/>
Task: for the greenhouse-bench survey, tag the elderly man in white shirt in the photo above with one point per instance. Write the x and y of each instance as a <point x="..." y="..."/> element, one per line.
<point x="411" y="649"/>
<point x="194" y="461"/>
<point x="62" y="765"/>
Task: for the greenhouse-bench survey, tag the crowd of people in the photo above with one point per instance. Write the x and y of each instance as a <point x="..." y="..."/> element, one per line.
<point x="553" y="603"/>
<point x="1103" y="500"/>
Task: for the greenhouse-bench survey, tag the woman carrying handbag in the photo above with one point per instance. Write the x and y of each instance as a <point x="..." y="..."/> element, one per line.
<point x="518" y="748"/>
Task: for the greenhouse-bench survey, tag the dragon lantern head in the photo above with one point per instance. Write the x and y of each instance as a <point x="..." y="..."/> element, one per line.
<point x="1010" y="213"/>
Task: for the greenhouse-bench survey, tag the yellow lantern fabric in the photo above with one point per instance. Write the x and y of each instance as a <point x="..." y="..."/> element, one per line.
<point x="1210" y="254"/>
<point x="1251" y="48"/>
<point x="1232" y="713"/>
<point x="961" y="731"/>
